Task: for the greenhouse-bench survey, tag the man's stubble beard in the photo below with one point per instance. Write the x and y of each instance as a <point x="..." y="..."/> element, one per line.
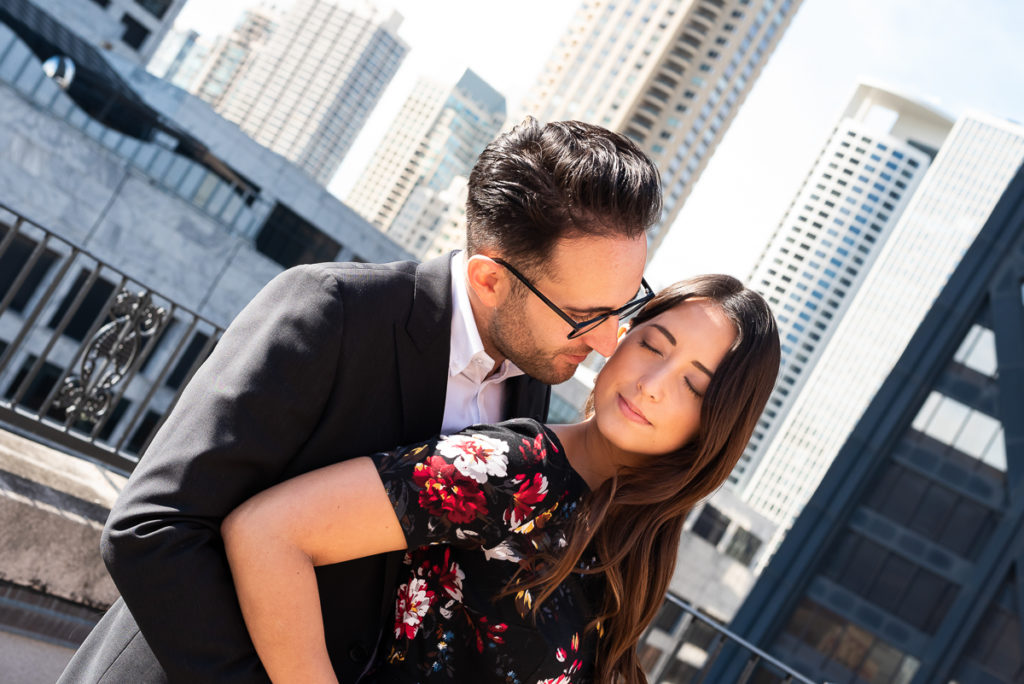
<point x="514" y="340"/>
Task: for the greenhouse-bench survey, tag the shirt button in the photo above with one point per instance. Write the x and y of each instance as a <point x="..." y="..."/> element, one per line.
<point x="358" y="654"/>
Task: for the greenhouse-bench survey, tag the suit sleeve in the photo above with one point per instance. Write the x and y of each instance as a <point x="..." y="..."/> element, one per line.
<point x="242" y="418"/>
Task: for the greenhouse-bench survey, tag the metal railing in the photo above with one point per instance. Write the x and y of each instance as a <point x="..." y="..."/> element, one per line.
<point x="693" y="645"/>
<point x="91" y="360"/>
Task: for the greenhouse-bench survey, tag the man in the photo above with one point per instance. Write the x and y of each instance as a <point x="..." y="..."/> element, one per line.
<point x="333" y="361"/>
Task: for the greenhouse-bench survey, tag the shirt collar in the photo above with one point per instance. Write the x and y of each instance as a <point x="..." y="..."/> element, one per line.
<point x="466" y="344"/>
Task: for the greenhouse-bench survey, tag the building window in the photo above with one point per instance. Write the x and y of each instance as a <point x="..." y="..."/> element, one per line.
<point x="11" y="263"/>
<point x="290" y="240"/>
<point x="88" y="309"/>
<point x="743" y="546"/>
<point x="711" y="524"/>
<point x="158" y="8"/>
<point x="135" y="34"/>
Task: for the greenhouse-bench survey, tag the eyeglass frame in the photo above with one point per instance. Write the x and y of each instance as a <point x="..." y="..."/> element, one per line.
<point x="582" y="327"/>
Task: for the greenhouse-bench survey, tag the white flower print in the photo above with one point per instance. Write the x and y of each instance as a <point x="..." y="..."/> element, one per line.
<point x="502" y="551"/>
<point x="414" y="601"/>
<point x="475" y="456"/>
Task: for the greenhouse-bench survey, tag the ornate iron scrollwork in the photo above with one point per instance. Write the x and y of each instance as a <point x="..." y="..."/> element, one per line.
<point x="111" y="351"/>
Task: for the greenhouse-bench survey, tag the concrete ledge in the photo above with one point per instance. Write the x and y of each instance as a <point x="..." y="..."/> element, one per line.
<point x="52" y="509"/>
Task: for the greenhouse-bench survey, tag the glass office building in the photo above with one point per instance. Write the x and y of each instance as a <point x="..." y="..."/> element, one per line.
<point x="905" y="566"/>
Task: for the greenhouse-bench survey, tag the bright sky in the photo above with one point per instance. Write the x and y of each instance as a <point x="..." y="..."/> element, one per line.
<point x="956" y="55"/>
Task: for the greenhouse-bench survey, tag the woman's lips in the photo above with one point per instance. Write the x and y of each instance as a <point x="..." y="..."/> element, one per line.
<point x="632" y="412"/>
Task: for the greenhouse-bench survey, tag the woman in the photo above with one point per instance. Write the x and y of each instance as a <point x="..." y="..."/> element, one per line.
<point x="536" y="553"/>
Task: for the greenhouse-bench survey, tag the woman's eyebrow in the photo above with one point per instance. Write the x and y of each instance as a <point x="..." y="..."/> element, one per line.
<point x="665" y="332"/>
<point x="701" y="367"/>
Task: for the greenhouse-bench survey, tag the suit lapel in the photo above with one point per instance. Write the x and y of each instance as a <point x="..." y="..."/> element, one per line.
<point x="423" y="349"/>
<point x="526" y="397"/>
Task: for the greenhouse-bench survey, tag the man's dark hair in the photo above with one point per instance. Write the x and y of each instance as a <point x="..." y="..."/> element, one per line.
<point x="537" y="184"/>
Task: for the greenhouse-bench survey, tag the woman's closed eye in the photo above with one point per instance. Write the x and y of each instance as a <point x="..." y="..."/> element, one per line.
<point x="647" y="345"/>
<point x="693" y="390"/>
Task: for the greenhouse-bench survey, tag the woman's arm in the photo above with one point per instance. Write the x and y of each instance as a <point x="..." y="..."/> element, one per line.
<point x="274" y="540"/>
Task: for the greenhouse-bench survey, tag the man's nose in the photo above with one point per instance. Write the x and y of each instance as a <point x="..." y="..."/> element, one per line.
<point x="604" y="338"/>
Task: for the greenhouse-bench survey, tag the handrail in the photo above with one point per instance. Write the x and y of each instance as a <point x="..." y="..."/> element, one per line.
<point x="757" y="659"/>
<point x="91" y="359"/>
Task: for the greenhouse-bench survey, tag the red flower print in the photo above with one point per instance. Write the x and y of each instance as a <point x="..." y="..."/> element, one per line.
<point x="414" y="601"/>
<point x="449" y="576"/>
<point x="533" y="451"/>
<point x="448" y="494"/>
<point x="531" y="492"/>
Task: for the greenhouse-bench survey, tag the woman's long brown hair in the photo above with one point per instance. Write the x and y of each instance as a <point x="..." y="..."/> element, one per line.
<point x="633" y="521"/>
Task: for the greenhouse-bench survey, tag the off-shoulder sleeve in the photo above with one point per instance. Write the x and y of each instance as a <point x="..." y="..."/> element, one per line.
<point x="476" y="487"/>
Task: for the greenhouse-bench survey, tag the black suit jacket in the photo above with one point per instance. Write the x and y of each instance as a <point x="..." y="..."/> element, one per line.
<point x="328" y="362"/>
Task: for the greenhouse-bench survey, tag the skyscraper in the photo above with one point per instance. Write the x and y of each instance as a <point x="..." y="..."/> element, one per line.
<point x="310" y="89"/>
<point x="956" y="196"/>
<point x="436" y="137"/>
<point x="830" y="236"/>
<point x="230" y="56"/>
<point x="906" y="565"/>
<point x="669" y="74"/>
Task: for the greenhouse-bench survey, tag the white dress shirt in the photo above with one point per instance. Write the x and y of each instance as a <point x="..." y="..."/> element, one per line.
<point x="472" y="397"/>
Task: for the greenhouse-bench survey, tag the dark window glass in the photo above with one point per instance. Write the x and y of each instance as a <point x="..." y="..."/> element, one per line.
<point x="185" y="361"/>
<point x="864" y="565"/>
<point x="115" y="418"/>
<point x="11" y="263"/>
<point x="904" y="497"/>
<point x="711" y="524"/>
<point x="881" y="664"/>
<point x="891" y="583"/>
<point x="155" y="343"/>
<point x="968" y="528"/>
<point x="935" y="508"/>
<point x="39" y="387"/>
<point x="839" y="559"/>
<point x="135" y="34"/>
<point x="158" y="8"/>
<point x="925" y="601"/>
<point x="700" y="634"/>
<point x="668" y="617"/>
<point x="142" y="432"/>
<point x="882" y="487"/>
<point x="853" y="645"/>
<point x="743" y="546"/>
<point x="102" y="3"/>
<point x="89" y="309"/>
<point x="290" y="240"/>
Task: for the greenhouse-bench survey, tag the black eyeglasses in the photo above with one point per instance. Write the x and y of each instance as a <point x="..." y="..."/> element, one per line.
<point x="583" y="327"/>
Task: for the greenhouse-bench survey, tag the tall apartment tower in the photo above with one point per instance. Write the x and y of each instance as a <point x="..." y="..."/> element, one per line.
<point x="669" y="74"/>
<point x="231" y="55"/>
<point x="831" y="235"/>
<point x="906" y="565"/>
<point x="130" y="28"/>
<point x="956" y="196"/>
<point x="438" y="134"/>
<point x="310" y="89"/>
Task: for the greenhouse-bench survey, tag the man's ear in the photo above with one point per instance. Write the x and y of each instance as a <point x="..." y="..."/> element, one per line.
<point x="486" y="280"/>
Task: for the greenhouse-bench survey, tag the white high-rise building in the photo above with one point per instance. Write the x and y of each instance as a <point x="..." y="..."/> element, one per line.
<point x="309" y="90"/>
<point x="230" y="56"/>
<point x="832" y="233"/>
<point x="407" y="188"/>
<point x="956" y="196"/>
<point x="669" y="74"/>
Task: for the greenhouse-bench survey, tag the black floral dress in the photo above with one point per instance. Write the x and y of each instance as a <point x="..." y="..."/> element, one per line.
<point x="474" y="506"/>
